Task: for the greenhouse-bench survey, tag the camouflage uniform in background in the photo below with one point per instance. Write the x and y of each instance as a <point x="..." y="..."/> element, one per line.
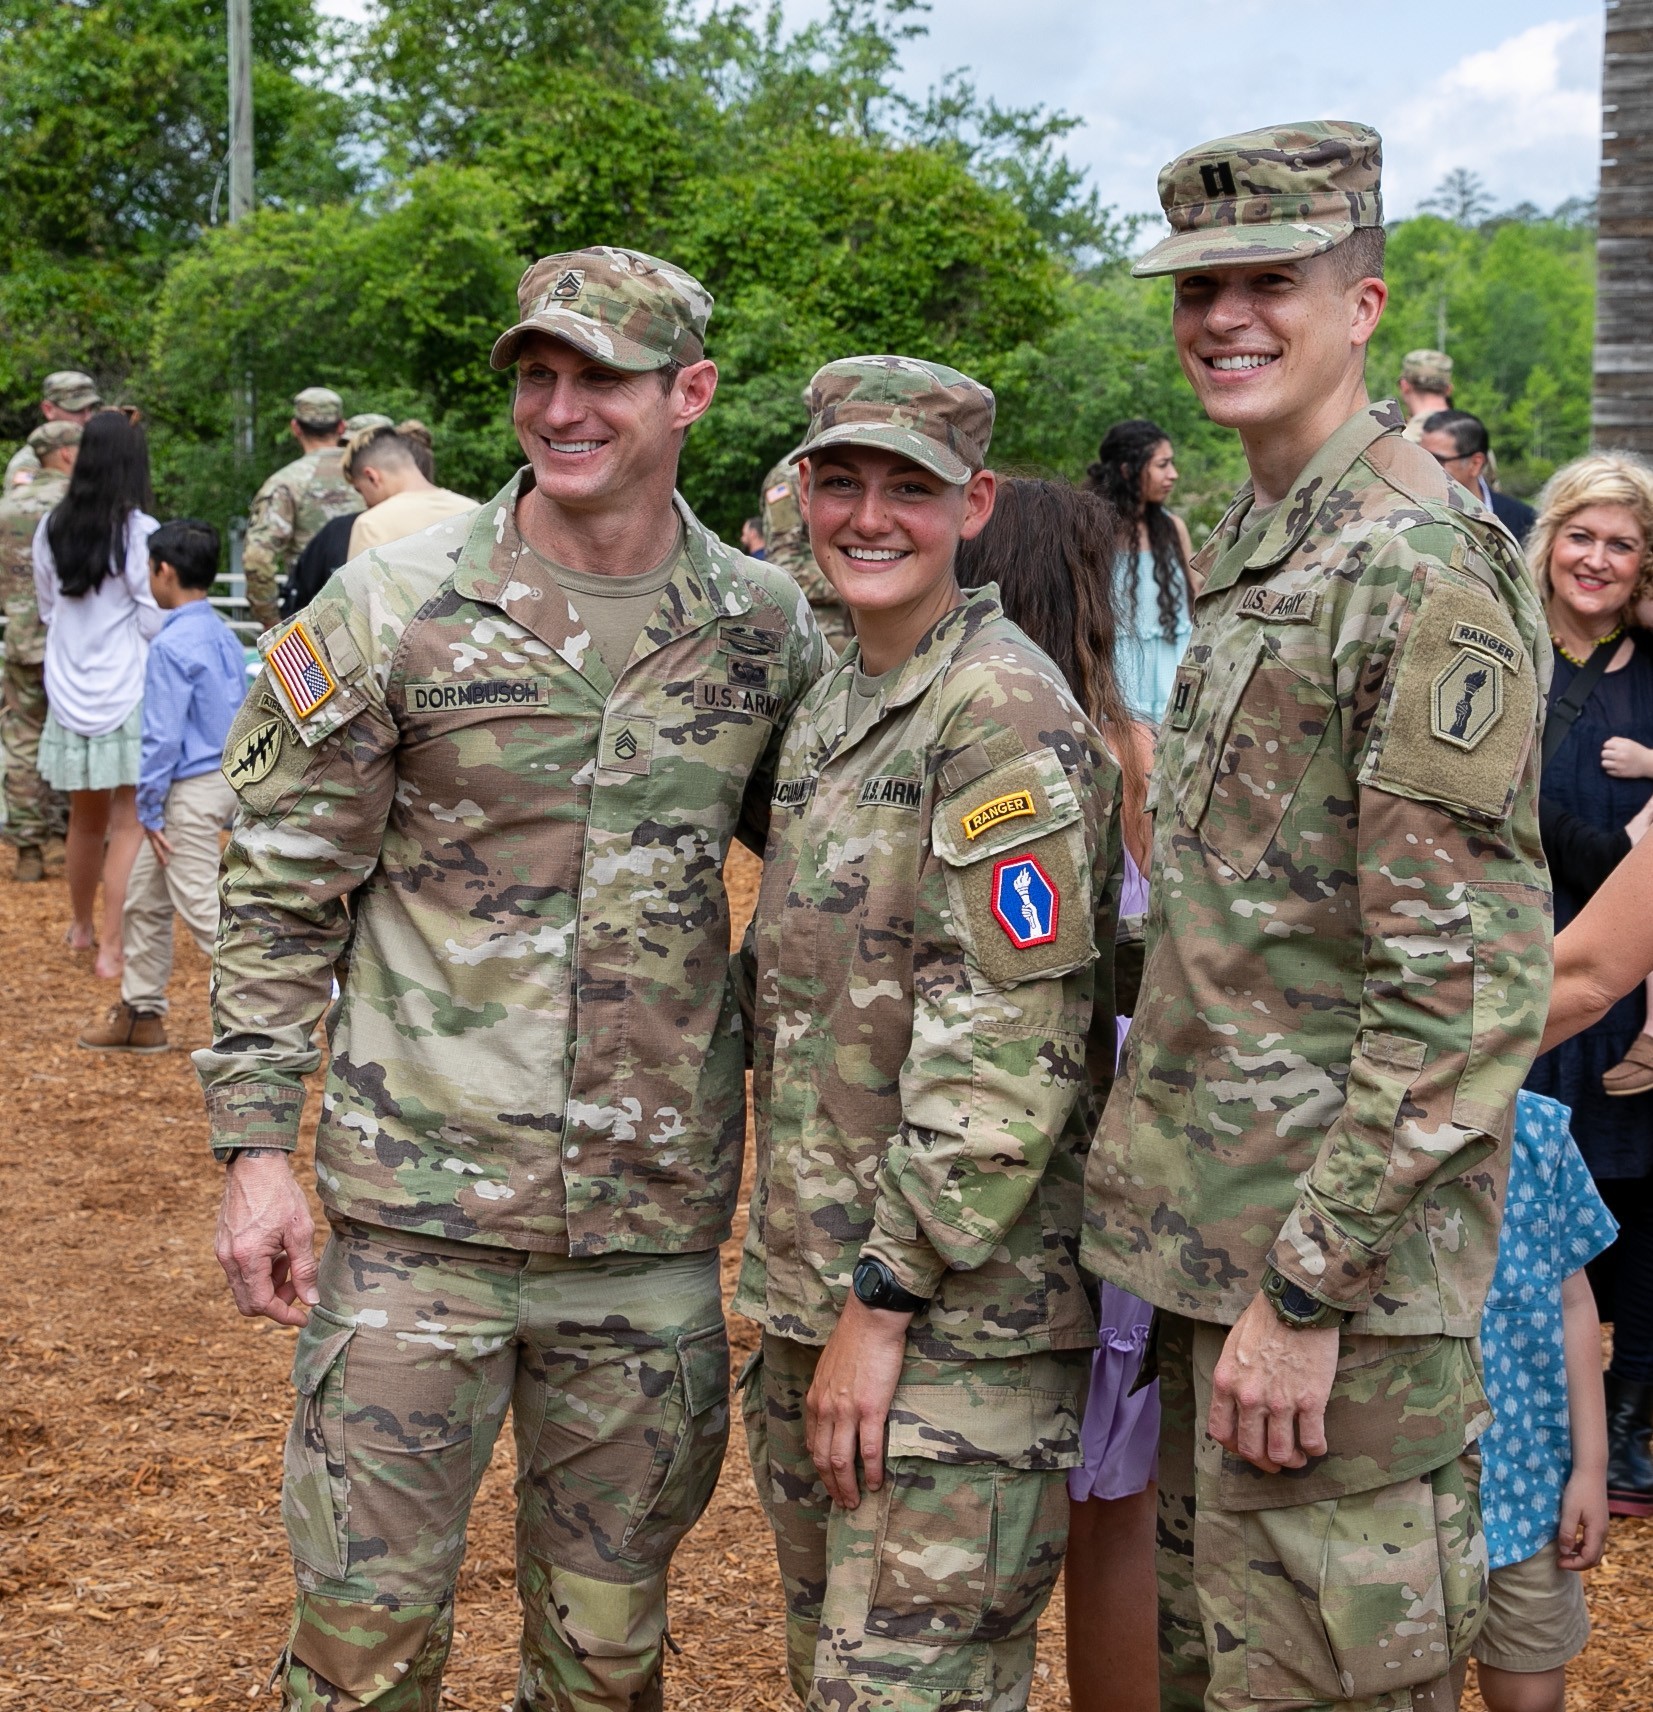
<point x="291" y="506"/>
<point x="1431" y="370"/>
<point x="34" y="811"/>
<point x="69" y="390"/>
<point x="921" y="1093"/>
<point x="786" y="543"/>
<point x="531" y="1134"/>
<point x="1347" y="977"/>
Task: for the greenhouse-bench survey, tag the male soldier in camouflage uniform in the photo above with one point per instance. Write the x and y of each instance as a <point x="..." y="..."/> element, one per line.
<point x="935" y="889"/>
<point x="294" y="503"/>
<point x="67" y="396"/>
<point x="34" y="811"/>
<point x="786" y="542"/>
<point x="517" y="746"/>
<point x="1425" y="387"/>
<point x="1303" y="1160"/>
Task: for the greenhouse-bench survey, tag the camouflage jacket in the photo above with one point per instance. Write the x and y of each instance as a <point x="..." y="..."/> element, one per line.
<point x="1349" y="923"/>
<point x="22" y="467"/>
<point x="920" y="1075"/>
<point x="786" y="543"/>
<point x="20" y="513"/>
<point x="286" y="513"/>
<point x="539" y="1041"/>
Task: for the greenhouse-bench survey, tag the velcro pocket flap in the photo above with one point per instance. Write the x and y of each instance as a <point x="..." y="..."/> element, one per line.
<point x="320" y="1344"/>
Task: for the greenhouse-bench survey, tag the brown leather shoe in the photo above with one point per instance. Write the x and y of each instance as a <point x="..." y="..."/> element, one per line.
<point x="31" y="864"/>
<point x="1633" y="1074"/>
<point x="125" y="1030"/>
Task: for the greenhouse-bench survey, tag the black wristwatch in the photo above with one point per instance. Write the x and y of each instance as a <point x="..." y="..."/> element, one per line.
<point x="876" y="1287"/>
<point x="1295" y="1307"/>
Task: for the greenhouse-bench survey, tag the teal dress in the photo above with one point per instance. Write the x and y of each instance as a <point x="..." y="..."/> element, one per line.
<point x="1147" y="663"/>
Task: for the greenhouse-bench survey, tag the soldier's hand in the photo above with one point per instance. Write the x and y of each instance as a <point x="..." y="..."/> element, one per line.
<point x="849" y="1400"/>
<point x="266" y="1238"/>
<point x="1268" y="1396"/>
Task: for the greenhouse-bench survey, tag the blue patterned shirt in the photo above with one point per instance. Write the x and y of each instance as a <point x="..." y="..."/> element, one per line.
<point x="1554" y="1222"/>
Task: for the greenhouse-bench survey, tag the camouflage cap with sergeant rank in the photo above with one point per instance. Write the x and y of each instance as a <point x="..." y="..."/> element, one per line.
<point x="1431" y="370"/>
<point x="53" y="436"/>
<point x="627" y="310"/>
<point x="939" y="418"/>
<point x="69" y="389"/>
<point x="1280" y="194"/>
<point x="318" y="407"/>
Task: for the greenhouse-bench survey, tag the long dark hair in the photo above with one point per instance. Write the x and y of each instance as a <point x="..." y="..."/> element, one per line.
<point x="87" y="527"/>
<point x="1126" y="451"/>
<point x="1050" y="548"/>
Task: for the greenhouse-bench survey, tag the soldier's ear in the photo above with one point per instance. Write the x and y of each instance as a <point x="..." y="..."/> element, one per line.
<point x="803" y="487"/>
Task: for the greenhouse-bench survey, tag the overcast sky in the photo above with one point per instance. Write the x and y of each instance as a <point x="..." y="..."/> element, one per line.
<point x="1509" y="89"/>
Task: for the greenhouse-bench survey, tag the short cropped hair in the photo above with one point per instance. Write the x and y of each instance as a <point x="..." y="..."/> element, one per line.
<point x="190" y="547"/>
<point x="1360" y="255"/>
<point x="1469" y="432"/>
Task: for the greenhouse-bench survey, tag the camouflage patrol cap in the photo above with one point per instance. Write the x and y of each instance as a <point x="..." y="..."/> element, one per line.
<point x="1429" y="369"/>
<point x="1280" y="194"/>
<point x="317" y="407"/>
<point x="939" y="418"/>
<point x="628" y="310"/>
<point x="69" y="389"/>
<point x="368" y="419"/>
<point x="53" y="436"/>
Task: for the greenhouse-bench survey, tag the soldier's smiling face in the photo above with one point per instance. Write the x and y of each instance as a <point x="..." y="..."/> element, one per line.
<point x="884" y="529"/>
<point x="593" y="433"/>
<point x="1262" y="344"/>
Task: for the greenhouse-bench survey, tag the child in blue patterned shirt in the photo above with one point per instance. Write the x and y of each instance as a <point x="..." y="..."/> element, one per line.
<point x="1544" y="1479"/>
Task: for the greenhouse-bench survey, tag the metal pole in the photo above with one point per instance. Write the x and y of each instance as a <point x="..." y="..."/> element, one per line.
<point x="241" y="186"/>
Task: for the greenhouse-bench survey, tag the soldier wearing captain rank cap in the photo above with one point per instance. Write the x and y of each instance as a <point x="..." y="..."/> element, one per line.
<point x="939" y="882"/>
<point x="517" y="747"/>
<point x="1302" y="1161"/>
<point x="297" y="500"/>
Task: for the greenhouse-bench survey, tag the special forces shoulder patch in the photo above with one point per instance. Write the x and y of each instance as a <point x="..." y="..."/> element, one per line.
<point x="254" y="756"/>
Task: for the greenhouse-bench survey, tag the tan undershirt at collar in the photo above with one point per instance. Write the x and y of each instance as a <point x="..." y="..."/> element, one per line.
<point x="615" y="609"/>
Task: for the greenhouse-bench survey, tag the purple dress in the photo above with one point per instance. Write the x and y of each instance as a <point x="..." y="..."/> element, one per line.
<point x="1120" y="1432"/>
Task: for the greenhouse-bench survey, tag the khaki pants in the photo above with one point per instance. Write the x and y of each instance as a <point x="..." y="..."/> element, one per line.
<point x="615" y="1372"/>
<point x="196" y="811"/>
<point x="1358" y="1582"/>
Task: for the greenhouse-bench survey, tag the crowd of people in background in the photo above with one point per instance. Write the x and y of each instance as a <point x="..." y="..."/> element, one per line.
<point x="123" y="682"/>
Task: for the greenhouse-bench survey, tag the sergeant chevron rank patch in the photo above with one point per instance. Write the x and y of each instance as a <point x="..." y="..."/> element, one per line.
<point x="254" y="755"/>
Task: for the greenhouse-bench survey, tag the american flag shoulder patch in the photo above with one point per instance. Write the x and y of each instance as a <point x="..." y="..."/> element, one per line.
<point x="301" y="669"/>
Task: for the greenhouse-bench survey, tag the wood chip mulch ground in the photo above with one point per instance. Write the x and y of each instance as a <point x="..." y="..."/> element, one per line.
<point x="142" y="1562"/>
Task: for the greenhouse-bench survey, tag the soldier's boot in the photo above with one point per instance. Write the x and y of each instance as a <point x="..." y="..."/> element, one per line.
<point x="1629" y="1466"/>
<point x="31" y="864"/>
<point x="125" y="1029"/>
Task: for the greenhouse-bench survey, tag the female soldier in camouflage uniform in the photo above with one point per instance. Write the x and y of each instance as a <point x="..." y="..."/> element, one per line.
<point x="929" y="1008"/>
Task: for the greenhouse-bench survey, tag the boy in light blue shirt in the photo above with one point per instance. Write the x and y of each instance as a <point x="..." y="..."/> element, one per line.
<point x="194" y="682"/>
<point x="1544" y="1479"/>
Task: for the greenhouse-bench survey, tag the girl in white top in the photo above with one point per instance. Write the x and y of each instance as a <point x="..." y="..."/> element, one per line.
<point x="91" y="577"/>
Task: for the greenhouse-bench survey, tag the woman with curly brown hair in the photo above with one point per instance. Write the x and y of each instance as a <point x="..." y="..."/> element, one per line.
<point x="1592" y="553"/>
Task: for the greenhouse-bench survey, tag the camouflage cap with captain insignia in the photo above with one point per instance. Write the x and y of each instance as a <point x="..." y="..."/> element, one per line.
<point x="69" y="389"/>
<point x="318" y="407"/>
<point x="1432" y="370"/>
<point x="628" y="310"/>
<point x="939" y="418"/>
<point x="1280" y="194"/>
<point x="52" y="436"/>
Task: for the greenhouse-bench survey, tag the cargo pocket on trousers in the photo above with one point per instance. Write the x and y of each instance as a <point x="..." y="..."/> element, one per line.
<point x="315" y="1489"/>
<point x="1366" y="1595"/>
<point x="689" y="1455"/>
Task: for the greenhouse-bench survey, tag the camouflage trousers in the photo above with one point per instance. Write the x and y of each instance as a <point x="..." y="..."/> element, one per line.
<point x="616" y="1375"/>
<point x="926" y="1597"/>
<point x="1357" y="1582"/>
<point x="34" y="811"/>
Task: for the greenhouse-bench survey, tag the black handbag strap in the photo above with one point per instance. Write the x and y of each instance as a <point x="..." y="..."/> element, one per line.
<point x="1569" y="706"/>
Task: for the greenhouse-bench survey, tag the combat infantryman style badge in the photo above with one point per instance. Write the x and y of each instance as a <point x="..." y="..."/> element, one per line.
<point x="1466" y="700"/>
<point x="1025" y="902"/>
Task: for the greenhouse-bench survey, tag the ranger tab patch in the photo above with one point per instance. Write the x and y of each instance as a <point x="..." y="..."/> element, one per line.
<point x="1026" y="903"/>
<point x="990" y="814"/>
<point x="301" y="670"/>
<point x="1467" y="699"/>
